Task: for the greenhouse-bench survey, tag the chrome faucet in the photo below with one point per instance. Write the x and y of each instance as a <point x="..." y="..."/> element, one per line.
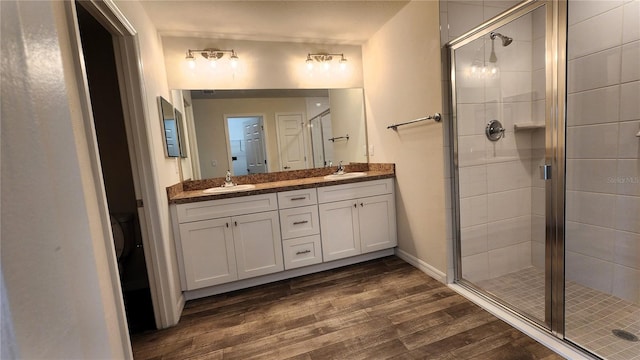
<point x="227" y="180"/>
<point x="340" y="170"/>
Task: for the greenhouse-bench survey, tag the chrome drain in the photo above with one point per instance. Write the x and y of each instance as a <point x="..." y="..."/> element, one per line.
<point x="624" y="335"/>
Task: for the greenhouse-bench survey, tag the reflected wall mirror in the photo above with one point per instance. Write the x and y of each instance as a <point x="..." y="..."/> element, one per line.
<point x="257" y="131"/>
<point x="173" y="127"/>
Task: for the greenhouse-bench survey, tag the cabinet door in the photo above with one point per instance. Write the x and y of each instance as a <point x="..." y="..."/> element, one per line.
<point x="377" y="215"/>
<point x="208" y="252"/>
<point x="258" y="244"/>
<point x="339" y="230"/>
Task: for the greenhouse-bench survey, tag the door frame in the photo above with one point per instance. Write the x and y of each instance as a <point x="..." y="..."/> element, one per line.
<point x="228" y="140"/>
<point x="133" y="97"/>
<point x="555" y="41"/>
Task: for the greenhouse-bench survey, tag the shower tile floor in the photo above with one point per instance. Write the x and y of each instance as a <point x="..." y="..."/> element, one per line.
<point x="590" y="314"/>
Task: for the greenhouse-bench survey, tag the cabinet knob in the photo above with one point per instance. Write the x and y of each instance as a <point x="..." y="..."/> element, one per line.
<point x="227" y="224"/>
<point x="235" y="223"/>
<point x="355" y="205"/>
<point x="361" y="204"/>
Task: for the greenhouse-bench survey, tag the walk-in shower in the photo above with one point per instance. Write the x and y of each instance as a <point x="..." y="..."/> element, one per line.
<point x="546" y="182"/>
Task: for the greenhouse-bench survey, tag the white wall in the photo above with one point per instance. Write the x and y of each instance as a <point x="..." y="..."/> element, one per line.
<point x="58" y="263"/>
<point x="603" y="166"/>
<point x="401" y="65"/>
<point x="262" y="65"/>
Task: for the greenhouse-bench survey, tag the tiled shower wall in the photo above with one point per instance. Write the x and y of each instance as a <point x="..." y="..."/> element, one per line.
<point x="497" y="188"/>
<point x="603" y="179"/>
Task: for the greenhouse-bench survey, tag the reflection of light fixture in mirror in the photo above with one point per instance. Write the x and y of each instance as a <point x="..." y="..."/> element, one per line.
<point x="325" y="59"/>
<point x="212" y="55"/>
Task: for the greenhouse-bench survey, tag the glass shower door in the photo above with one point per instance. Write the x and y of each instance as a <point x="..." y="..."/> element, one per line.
<point x="499" y="128"/>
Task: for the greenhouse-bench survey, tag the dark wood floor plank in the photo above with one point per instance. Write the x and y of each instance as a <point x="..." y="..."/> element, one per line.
<point x="381" y="309"/>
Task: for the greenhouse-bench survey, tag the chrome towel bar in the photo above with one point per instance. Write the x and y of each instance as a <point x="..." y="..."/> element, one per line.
<point x="436" y="117"/>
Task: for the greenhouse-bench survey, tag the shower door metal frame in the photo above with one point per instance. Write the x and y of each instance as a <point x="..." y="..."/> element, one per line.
<point x="555" y="82"/>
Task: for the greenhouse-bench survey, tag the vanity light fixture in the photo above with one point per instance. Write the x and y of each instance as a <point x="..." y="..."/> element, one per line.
<point x="212" y="55"/>
<point x="325" y="60"/>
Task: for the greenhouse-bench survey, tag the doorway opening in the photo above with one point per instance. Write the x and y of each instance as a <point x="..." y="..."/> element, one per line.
<point x="115" y="162"/>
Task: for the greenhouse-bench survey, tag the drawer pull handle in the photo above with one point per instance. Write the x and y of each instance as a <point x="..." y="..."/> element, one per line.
<point x="227" y="224"/>
<point x="303" y="252"/>
<point x="300" y="222"/>
<point x="298" y="198"/>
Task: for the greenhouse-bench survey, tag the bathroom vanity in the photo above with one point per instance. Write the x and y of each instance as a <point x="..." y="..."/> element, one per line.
<point x="281" y="229"/>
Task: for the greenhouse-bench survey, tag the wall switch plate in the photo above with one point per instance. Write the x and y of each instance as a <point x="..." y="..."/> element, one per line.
<point x="214" y="163"/>
<point x="371" y="148"/>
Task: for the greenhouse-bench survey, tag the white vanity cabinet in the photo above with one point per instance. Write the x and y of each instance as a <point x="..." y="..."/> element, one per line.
<point x="357" y="218"/>
<point x="230" y="239"/>
<point x="300" y="226"/>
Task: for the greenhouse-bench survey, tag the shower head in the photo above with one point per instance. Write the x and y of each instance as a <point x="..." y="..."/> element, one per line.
<point x="505" y="39"/>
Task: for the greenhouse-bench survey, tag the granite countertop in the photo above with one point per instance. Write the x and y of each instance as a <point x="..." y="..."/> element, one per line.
<point x="192" y="191"/>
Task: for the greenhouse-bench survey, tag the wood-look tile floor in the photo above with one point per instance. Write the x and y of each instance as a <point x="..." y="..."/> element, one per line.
<point x="381" y="309"/>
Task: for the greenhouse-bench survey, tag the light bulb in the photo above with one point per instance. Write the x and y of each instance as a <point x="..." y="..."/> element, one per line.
<point x="234" y="60"/>
<point x="326" y="65"/>
<point x="190" y="60"/>
<point x="309" y="63"/>
<point x="343" y="64"/>
<point x="213" y="63"/>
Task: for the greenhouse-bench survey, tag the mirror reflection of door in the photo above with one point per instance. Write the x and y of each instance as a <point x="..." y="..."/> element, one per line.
<point x="291" y="141"/>
<point x="245" y="139"/>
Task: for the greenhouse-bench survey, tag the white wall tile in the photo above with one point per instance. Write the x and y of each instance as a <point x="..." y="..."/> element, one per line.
<point x="538" y="200"/>
<point x="583" y="10"/>
<point x="509" y="232"/>
<point x="594" y="106"/>
<point x="538" y="84"/>
<point x="538" y="23"/>
<point x="509" y="259"/>
<point x="515" y="86"/>
<point x="509" y="175"/>
<point x="595" y="70"/>
<point x="628" y="213"/>
<point x="471" y="119"/>
<point x="628" y="178"/>
<point x="630" y="21"/>
<point x="592" y="175"/>
<point x="463" y="17"/>
<point x="473" y="240"/>
<point x="594" y="241"/>
<point x="588" y="271"/>
<point x="627" y="249"/>
<point x="591" y="208"/>
<point x="630" y="61"/>
<point x="515" y="57"/>
<point x="472" y="181"/>
<point x="519" y="29"/>
<point x="588" y="37"/>
<point x="510" y="147"/>
<point x="592" y="142"/>
<point x="629" y="101"/>
<point x="538" y="112"/>
<point x="475" y="267"/>
<point x="538" y="255"/>
<point x="509" y="204"/>
<point x="538" y="54"/>
<point x="471" y="150"/>
<point x="628" y="144"/>
<point x="473" y="211"/>
<point x="538" y="228"/>
<point x="626" y="283"/>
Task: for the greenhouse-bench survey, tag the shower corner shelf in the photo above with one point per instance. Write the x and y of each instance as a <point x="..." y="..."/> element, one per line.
<point x="527" y="126"/>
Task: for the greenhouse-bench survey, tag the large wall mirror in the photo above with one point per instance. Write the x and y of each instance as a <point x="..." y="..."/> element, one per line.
<point x="257" y="131"/>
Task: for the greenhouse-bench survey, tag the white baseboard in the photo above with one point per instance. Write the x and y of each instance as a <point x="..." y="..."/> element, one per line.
<point x="422" y="266"/>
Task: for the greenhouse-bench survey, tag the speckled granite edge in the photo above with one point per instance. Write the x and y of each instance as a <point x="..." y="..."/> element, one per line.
<point x="191" y="190"/>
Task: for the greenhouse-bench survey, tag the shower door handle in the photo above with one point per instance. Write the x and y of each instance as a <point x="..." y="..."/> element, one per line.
<point x="545" y="172"/>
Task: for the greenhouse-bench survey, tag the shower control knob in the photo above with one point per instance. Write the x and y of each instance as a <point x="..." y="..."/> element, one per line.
<point x="494" y="130"/>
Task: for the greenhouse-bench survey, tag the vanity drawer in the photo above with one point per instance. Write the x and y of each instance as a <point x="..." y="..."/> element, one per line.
<point x="297" y="222"/>
<point x="212" y="209"/>
<point x="297" y="198"/>
<point x="302" y="251"/>
<point x="355" y="190"/>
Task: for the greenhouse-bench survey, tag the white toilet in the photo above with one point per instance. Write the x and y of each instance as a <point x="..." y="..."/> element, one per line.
<point x="123" y="237"/>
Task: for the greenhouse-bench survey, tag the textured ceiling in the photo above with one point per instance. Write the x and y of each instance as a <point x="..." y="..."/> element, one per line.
<point x="335" y="22"/>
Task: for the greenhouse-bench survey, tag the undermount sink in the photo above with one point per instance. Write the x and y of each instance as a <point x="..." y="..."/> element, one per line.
<point x="344" y="176"/>
<point x="227" y="189"/>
